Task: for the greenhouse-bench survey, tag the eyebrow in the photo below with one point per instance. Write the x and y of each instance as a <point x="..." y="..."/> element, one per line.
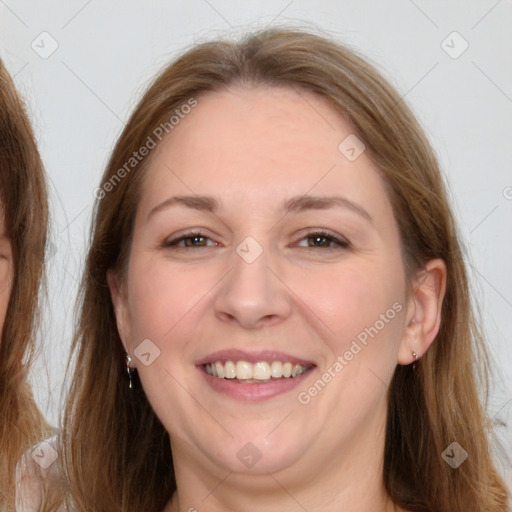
<point x="295" y="204"/>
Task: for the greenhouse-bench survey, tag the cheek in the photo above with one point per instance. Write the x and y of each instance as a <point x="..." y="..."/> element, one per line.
<point x="342" y="300"/>
<point x="162" y="300"/>
<point x="363" y="306"/>
<point x="353" y="298"/>
<point x="161" y="307"/>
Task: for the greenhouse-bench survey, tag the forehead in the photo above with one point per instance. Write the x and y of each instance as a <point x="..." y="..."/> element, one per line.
<point x="254" y="125"/>
<point x="263" y="144"/>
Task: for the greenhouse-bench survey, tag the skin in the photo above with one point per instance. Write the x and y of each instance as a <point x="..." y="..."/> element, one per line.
<point x="253" y="149"/>
<point x="5" y="271"/>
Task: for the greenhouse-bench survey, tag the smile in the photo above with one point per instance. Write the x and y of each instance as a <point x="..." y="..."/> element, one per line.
<point x="254" y="375"/>
<point x="259" y="372"/>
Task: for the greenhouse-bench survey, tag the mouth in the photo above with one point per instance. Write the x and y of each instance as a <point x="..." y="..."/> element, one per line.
<point x="255" y="373"/>
<point x="253" y="376"/>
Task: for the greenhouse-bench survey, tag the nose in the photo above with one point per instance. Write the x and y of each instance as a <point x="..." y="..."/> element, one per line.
<point x="253" y="295"/>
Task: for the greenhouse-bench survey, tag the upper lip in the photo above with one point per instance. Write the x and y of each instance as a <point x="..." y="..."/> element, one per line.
<point x="252" y="357"/>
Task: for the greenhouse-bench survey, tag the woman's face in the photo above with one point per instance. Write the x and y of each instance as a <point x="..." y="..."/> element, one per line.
<point x="5" y="271"/>
<point x="279" y="248"/>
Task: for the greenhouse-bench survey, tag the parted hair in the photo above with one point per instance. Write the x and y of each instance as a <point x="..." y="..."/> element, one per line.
<point x="117" y="454"/>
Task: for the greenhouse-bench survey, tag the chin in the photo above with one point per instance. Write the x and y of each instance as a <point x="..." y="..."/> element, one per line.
<point x="257" y="457"/>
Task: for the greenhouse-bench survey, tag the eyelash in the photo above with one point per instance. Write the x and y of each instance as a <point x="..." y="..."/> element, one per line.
<point x="340" y="243"/>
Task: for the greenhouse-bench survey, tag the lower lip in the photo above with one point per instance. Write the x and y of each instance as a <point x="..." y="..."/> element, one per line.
<point x="254" y="391"/>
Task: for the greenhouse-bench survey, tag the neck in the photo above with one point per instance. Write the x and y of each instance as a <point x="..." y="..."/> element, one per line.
<point x="276" y="496"/>
<point x="349" y="477"/>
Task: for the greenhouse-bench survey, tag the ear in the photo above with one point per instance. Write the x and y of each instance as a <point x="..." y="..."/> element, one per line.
<point x="423" y="313"/>
<point x="119" y="301"/>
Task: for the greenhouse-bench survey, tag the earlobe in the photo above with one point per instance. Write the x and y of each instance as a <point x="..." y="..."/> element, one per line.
<point x="118" y="296"/>
<point x="423" y="316"/>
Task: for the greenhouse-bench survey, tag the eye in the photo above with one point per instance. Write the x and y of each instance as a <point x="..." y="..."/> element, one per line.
<point x="194" y="240"/>
<point x="324" y="240"/>
<point x="317" y="239"/>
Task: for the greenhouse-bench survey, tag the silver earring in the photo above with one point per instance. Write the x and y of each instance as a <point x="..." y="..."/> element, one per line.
<point x="129" y="370"/>
<point x="415" y="359"/>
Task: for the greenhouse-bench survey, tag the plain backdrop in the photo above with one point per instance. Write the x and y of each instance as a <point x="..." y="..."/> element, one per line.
<point x="82" y="65"/>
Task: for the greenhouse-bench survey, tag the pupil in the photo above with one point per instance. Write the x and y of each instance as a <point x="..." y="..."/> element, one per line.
<point x="195" y="240"/>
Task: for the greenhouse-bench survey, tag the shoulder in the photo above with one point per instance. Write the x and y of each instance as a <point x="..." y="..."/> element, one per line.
<point x="37" y="476"/>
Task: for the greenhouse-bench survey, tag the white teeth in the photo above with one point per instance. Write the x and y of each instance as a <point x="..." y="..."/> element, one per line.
<point x="287" y="370"/>
<point x="229" y="370"/>
<point x="220" y="370"/>
<point x="276" y="369"/>
<point x="243" y="370"/>
<point x="260" y="371"/>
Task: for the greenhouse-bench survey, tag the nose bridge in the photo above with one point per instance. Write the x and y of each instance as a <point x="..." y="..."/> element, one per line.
<point x="251" y="294"/>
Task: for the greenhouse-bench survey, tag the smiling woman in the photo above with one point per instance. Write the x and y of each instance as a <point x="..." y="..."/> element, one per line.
<point x="294" y="208"/>
<point x="23" y="223"/>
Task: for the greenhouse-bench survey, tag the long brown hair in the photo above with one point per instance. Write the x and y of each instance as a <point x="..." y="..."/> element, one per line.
<point x="23" y="198"/>
<point x="117" y="454"/>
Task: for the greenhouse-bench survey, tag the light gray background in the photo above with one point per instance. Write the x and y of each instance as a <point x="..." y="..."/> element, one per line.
<point x="108" y="50"/>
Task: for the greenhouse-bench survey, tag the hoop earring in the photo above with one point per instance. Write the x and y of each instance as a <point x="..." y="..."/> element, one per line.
<point x="415" y="359"/>
<point x="129" y="371"/>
